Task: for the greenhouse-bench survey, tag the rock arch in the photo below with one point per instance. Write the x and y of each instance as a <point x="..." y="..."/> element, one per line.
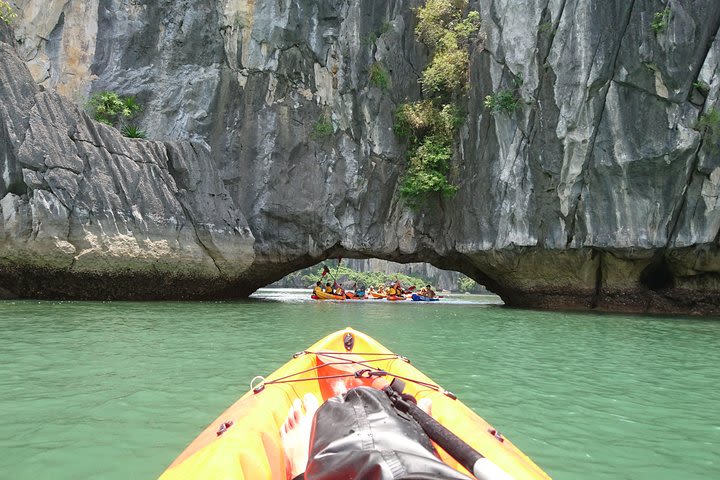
<point x="570" y="202"/>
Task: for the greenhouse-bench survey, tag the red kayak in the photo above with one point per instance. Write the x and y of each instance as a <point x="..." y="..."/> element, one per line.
<point x="396" y="298"/>
<point x="353" y="296"/>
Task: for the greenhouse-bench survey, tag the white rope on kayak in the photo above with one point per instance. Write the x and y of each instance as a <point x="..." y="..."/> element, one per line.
<point x="367" y="372"/>
<point x="252" y="382"/>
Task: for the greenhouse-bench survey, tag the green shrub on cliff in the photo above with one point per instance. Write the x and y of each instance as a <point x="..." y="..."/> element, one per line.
<point x="379" y="77"/>
<point x="429" y="166"/>
<point x="702" y="87"/>
<point x="660" y="20"/>
<point x="113" y="110"/>
<point x="133" y="131"/>
<point x="502" y="101"/>
<point x="442" y="27"/>
<point x="323" y="128"/>
<point x="7" y="14"/>
<point x="430" y="125"/>
<point x="709" y="125"/>
<point x="415" y="121"/>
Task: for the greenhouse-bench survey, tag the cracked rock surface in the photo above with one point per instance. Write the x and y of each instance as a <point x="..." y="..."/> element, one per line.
<point x="87" y="213"/>
<point x="598" y="192"/>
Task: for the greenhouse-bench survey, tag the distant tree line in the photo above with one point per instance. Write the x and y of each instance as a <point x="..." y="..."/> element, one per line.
<point x="348" y="276"/>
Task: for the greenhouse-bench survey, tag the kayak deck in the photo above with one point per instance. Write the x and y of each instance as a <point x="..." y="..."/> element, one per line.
<point x="251" y="448"/>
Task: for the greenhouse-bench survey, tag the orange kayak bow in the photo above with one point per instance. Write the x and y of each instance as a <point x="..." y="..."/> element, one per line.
<point x="244" y="442"/>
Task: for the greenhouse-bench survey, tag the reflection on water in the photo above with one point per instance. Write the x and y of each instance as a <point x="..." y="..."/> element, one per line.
<point x="116" y="390"/>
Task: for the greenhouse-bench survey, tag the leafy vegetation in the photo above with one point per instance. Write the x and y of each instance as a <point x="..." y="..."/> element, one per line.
<point x="7" y="14"/>
<point x="323" y="127"/>
<point x="702" y="87"/>
<point x="430" y="126"/>
<point x="502" y="101"/>
<point x="428" y="170"/>
<point x="447" y="72"/>
<point x="379" y="76"/>
<point x="372" y="37"/>
<point x="415" y="121"/>
<point x="545" y="27"/>
<point x="709" y="125"/>
<point x="442" y="27"/>
<point x="133" y="131"/>
<point x="430" y="130"/>
<point x="114" y="110"/>
<point x="467" y="284"/>
<point x="661" y="20"/>
<point x="384" y="28"/>
<point x="505" y="100"/>
<point x="347" y="276"/>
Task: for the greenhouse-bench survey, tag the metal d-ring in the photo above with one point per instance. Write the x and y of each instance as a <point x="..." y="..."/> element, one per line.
<point x="260" y="386"/>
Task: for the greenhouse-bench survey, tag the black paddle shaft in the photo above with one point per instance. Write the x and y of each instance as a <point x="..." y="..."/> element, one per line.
<point x="451" y="443"/>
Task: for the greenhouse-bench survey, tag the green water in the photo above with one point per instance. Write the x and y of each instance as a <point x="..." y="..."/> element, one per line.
<point x="117" y="390"/>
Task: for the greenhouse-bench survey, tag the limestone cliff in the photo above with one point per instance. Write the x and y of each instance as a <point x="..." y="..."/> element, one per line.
<point x="599" y="192"/>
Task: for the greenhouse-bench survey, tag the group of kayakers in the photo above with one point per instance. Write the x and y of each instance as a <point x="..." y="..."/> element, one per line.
<point x="395" y="289"/>
<point x="358" y="291"/>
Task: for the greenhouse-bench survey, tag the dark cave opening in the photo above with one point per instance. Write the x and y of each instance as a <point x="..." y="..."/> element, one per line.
<point x="657" y="276"/>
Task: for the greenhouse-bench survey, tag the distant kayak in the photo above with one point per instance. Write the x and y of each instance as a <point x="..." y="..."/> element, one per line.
<point x="377" y="295"/>
<point x="396" y="298"/>
<point x="420" y="298"/>
<point x="326" y="296"/>
<point x="354" y="296"/>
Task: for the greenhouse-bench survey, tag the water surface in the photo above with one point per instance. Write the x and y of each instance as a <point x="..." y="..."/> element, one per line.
<point x="116" y="390"/>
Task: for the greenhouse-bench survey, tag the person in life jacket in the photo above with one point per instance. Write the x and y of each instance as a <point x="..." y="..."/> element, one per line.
<point x="429" y="292"/>
<point x="328" y="288"/>
<point x="318" y="288"/>
<point x="391" y="291"/>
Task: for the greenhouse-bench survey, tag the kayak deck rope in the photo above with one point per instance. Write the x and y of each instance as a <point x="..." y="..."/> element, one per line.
<point x="368" y="372"/>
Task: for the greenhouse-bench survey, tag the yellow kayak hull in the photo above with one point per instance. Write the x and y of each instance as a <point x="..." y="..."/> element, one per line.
<point x="251" y="447"/>
<point x="328" y="296"/>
